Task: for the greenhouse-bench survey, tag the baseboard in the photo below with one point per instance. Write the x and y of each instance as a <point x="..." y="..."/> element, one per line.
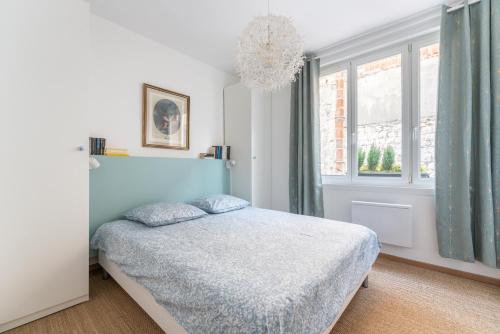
<point x="445" y="270"/>
<point x="43" y="313"/>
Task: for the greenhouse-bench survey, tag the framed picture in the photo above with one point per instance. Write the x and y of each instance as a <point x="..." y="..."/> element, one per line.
<point x="165" y="118"/>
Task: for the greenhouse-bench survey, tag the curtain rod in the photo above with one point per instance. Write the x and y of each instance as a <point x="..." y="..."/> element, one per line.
<point x="452" y="9"/>
<point x="449" y="10"/>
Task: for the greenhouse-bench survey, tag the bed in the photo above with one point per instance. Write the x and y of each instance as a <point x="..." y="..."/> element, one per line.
<point x="244" y="271"/>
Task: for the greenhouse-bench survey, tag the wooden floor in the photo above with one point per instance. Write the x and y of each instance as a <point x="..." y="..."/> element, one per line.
<point x="401" y="299"/>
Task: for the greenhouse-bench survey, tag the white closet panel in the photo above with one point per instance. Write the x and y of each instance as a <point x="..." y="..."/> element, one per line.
<point x="247" y="115"/>
<point x="261" y="149"/>
<point x="43" y="177"/>
<point x="238" y="134"/>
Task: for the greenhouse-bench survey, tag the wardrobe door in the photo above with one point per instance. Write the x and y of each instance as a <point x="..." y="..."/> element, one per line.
<point x="261" y="149"/>
<point x="238" y="135"/>
<point x="43" y="176"/>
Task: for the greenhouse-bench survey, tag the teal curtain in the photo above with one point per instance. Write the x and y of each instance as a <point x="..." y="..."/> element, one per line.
<point x="306" y="193"/>
<point x="468" y="134"/>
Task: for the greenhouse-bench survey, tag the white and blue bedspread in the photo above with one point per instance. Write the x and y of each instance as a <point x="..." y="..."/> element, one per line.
<point x="245" y="271"/>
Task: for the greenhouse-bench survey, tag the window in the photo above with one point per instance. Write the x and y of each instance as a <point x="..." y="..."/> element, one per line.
<point x="378" y="115"/>
<point x="333" y="122"/>
<point x="428" y="75"/>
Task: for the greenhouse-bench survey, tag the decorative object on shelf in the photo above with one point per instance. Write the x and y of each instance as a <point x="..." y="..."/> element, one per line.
<point x="93" y="163"/>
<point x="206" y="156"/>
<point x="270" y="52"/>
<point x="97" y="146"/>
<point x="165" y="119"/>
<point x="116" y="152"/>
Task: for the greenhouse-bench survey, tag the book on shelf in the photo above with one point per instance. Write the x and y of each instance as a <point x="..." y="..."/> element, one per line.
<point x="116" y="152"/>
<point x="97" y="146"/>
<point x="226" y="152"/>
<point x="219" y="152"/>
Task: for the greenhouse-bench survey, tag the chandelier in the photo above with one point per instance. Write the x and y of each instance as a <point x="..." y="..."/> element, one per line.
<point x="270" y="52"/>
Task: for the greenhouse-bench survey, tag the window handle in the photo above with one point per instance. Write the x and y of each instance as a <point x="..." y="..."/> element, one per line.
<point x="415" y="133"/>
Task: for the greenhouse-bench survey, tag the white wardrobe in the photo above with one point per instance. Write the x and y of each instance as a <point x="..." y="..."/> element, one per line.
<point x="247" y="128"/>
<point x="43" y="175"/>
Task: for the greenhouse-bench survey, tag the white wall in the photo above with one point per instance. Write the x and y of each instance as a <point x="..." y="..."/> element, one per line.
<point x="337" y="199"/>
<point x="338" y="206"/>
<point x="121" y="61"/>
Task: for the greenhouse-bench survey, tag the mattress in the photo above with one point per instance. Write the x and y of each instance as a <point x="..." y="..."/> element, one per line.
<point x="245" y="271"/>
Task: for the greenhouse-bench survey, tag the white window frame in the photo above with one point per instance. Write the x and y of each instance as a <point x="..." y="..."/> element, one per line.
<point x="330" y="70"/>
<point x="415" y="127"/>
<point x="410" y="72"/>
<point x="385" y="53"/>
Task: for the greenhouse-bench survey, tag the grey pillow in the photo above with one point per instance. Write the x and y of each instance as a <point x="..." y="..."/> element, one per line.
<point x="220" y="203"/>
<point x="159" y="214"/>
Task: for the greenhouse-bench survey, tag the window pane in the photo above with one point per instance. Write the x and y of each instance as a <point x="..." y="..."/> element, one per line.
<point x="333" y="123"/>
<point x="429" y="63"/>
<point x="379" y="117"/>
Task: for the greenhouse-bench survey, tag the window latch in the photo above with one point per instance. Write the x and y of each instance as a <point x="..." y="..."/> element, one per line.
<point x="415" y="133"/>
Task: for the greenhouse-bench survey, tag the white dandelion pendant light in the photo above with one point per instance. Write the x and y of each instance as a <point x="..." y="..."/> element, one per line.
<point x="270" y="52"/>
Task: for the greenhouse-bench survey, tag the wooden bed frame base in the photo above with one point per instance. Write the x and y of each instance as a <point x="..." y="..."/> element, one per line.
<point x="159" y="314"/>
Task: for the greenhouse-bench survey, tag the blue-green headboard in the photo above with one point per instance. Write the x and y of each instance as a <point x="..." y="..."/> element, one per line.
<point x="122" y="183"/>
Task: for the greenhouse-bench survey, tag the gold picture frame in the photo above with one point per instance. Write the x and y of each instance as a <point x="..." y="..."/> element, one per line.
<point x="165" y="118"/>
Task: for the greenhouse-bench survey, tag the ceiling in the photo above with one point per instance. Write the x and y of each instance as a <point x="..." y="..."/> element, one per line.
<point x="208" y="29"/>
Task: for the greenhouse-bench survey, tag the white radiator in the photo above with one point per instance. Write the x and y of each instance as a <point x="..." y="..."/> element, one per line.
<point x="393" y="223"/>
